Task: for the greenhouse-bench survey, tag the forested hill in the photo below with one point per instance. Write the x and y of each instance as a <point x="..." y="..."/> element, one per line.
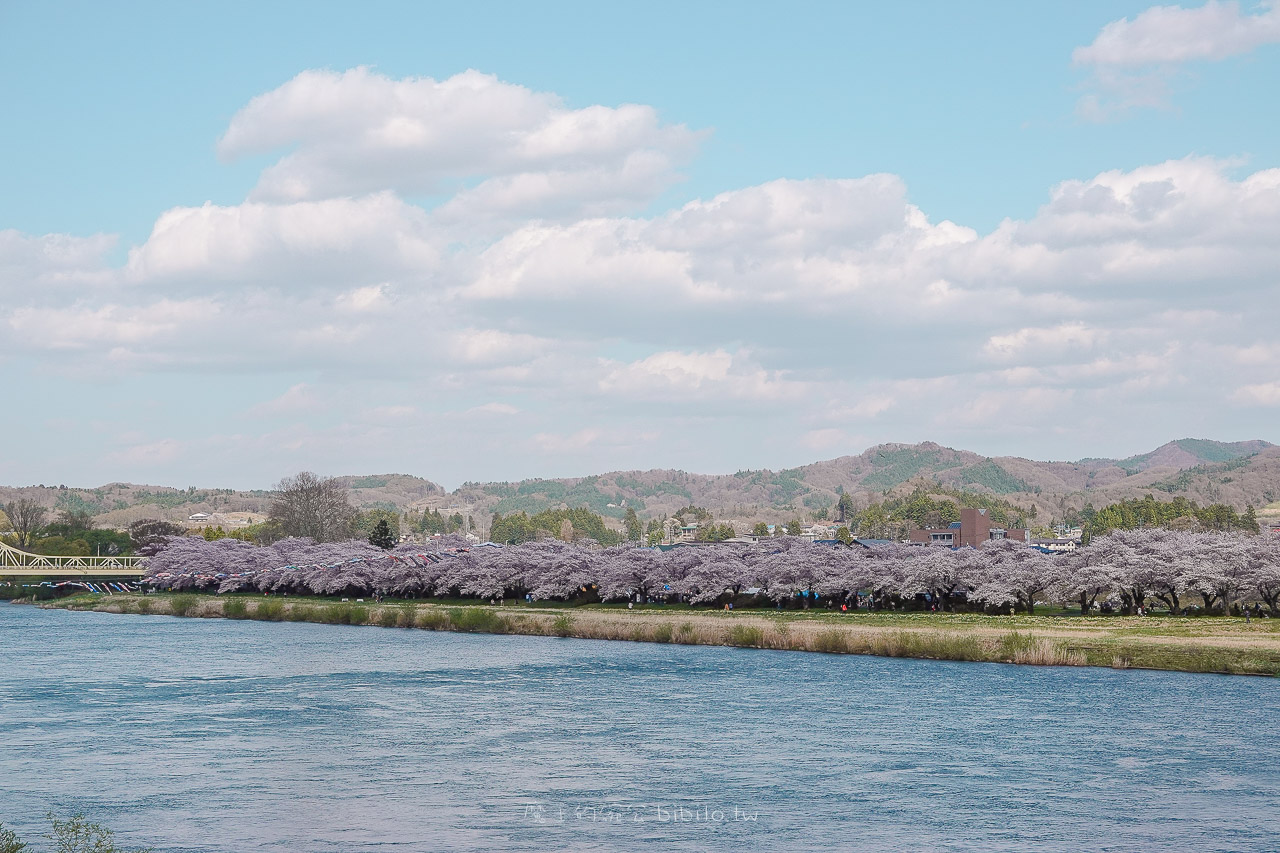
<point x="1236" y="473"/>
<point x="119" y="504"/>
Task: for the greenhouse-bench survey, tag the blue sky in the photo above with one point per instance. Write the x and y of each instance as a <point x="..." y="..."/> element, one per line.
<point x="1070" y="215"/>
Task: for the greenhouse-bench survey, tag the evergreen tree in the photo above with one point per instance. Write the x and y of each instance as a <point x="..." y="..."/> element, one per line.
<point x="632" y="522"/>
<point x="382" y="537"/>
<point x="844" y="507"/>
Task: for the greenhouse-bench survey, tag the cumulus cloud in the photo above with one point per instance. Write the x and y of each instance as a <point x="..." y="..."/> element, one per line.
<point x="556" y="443"/>
<point x="1175" y="223"/>
<point x="493" y="346"/>
<point x="498" y="148"/>
<point x="1054" y="342"/>
<point x="786" y="242"/>
<point x="55" y="261"/>
<point x="1169" y="34"/>
<point x="91" y="330"/>
<point x="301" y="245"/>
<point x="300" y="399"/>
<point x="1135" y="61"/>
<point x="493" y="410"/>
<point x="701" y="376"/>
<point x="792" y="313"/>
<point x="146" y="455"/>
<point x="1262" y="394"/>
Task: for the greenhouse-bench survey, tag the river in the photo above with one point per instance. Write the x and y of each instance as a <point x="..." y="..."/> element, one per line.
<point x="228" y="736"/>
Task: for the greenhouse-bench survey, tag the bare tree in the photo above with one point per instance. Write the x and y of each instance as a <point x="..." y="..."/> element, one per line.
<point x="26" y="516"/>
<point x="148" y="535"/>
<point x="314" y="507"/>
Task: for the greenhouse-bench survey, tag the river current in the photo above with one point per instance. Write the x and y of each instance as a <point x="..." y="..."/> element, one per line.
<point x="215" y="735"/>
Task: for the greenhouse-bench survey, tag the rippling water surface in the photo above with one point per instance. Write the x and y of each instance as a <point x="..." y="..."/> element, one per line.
<point x="213" y="735"/>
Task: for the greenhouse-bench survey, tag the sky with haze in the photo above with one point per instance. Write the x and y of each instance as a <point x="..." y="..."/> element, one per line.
<point x="494" y="240"/>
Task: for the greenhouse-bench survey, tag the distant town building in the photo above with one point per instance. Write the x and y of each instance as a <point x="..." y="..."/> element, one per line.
<point x="818" y="532"/>
<point x="1061" y="545"/>
<point x="973" y="528"/>
<point x="199" y="516"/>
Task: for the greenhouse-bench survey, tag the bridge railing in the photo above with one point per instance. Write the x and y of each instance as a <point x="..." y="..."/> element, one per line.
<point x="16" y="562"/>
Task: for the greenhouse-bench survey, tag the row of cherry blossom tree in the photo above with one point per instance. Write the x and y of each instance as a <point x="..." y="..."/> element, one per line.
<point x="1125" y="571"/>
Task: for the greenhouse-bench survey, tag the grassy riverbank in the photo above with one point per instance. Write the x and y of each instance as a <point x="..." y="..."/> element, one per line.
<point x="1223" y="645"/>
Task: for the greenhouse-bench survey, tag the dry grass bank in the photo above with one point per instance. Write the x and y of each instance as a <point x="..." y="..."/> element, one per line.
<point x="1153" y="644"/>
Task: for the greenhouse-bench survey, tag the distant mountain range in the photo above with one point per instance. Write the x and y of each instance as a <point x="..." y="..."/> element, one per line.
<point x="1236" y="473"/>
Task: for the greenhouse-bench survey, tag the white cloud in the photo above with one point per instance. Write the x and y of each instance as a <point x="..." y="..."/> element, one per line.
<point x="828" y="440"/>
<point x="359" y="132"/>
<point x="1160" y="226"/>
<point x="146" y="455"/>
<point x="79" y="327"/>
<point x="701" y="376"/>
<point x="1262" y="394"/>
<point x="865" y="407"/>
<point x="787" y="314"/>
<point x="793" y="243"/>
<point x="1055" y="341"/>
<point x="556" y="443"/>
<point x="300" y="399"/>
<point x="1134" y="62"/>
<point x="393" y="413"/>
<point x="492" y="346"/>
<point x="1170" y="34"/>
<point x="52" y="260"/>
<point x="362" y="299"/>
<point x="493" y="409"/>
<point x="295" y="246"/>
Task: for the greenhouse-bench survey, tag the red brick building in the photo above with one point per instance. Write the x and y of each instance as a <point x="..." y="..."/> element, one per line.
<point x="973" y="528"/>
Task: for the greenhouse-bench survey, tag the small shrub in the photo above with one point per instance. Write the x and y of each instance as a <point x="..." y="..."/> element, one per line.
<point x="235" y="608"/>
<point x="302" y="613"/>
<point x="335" y="614"/>
<point x="663" y="633"/>
<point x="686" y="633"/>
<point x="1046" y="652"/>
<point x="358" y="616"/>
<point x="9" y="841"/>
<point x="477" y="620"/>
<point x="182" y="604"/>
<point x="746" y="636"/>
<point x="562" y="625"/>
<point x="432" y="620"/>
<point x="270" y="610"/>
<point x="386" y="617"/>
<point x="831" y="641"/>
<point x="77" y="835"/>
<point x="144" y="606"/>
<point x="1014" y="644"/>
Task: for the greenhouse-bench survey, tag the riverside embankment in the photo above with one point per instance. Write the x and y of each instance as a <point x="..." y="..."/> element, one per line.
<point x="1219" y="645"/>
